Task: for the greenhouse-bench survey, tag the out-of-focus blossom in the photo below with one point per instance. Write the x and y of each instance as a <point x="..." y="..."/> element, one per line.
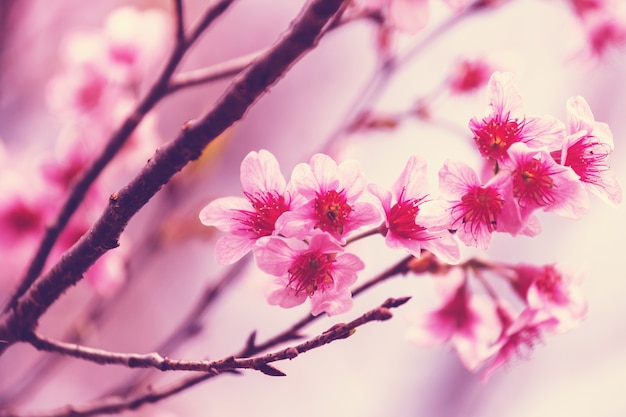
<point x="469" y="75"/>
<point x="103" y="65"/>
<point x="587" y="146"/>
<point x="582" y="7"/>
<point x="412" y="222"/>
<point x="476" y="210"/>
<point x="540" y="183"/>
<point x="248" y="219"/>
<point x="467" y="321"/>
<point x="553" y="291"/>
<point x="136" y="41"/>
<point x="82" y="91"/>
<point x="317" y="270"/>
<point x="507" y="124"/>
<point x="25" y="209"/>
<point x="327" y="198"/>
<point x="519" y="337"/>
<point x="605" y="31"/>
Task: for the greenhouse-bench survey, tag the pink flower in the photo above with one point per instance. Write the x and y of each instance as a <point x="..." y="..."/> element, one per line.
<point x="317" y="270"/>
<point x="540" y="183"/>
<point x="555" y="293"/>
<point x="24" y="210"/>
<point x="467" y="321"/>
<point x="469" y="75"/>
<point x="478" y="210"/>
<point x="408" y="225"/>
<point x="327" y="198"/>
<point x="506" y="123"/>
<point x="603" y="32"/>
<point x="135" y="41"/>
<point x="582" y="7"/>
<point x="520" y="335"/>
<point x="248" y="219"/>
<point x="587" y="146"/>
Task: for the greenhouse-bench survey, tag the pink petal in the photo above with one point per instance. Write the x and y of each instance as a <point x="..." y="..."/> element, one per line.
<point x="261" y="172"/>
<point x="231" y="248"/>
<point x="324" y="170"/>
<point x="219" y="212"/>
<point x="413" y="179"/>
<point x="285" y="296"/>
<point x="444" y="246"/>
<point x="456" y="177"/>
<point x="331" y="302"/>
<point x="351" y="179"/>
<point x="274" y="255"/>
<point x="504" y="97"/>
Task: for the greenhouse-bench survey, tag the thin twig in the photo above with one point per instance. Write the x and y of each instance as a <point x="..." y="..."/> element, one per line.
<point x="293" y="332"/>
<point x="179" y="18"/>
<point x="189" y="327"/>
<point x="215" y="72"/>
<point x="118" y="139"/>
<point x="304" y="34"/>
<point x="210" y="369"/>
<point x="387" y="68"/>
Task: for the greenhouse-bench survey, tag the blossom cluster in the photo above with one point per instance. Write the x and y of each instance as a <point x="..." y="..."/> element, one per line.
<point x="298" y="230"/>
<point x="602" y="22"/>
<point x="93" y="93"/>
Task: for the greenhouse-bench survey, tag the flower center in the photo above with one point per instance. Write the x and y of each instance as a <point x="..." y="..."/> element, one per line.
<point x="532" y="183"/>
<point x="587" y="160"/>
<point x="331" y="210"/>
<point x="496" y="135"/>
<point x="402" y="217"/>
<point x="311" y="271"/>
<point x="267" y="208"/>
<point x="480" y="206"/>
<point x="456" y="311"/>
<point x="549" y="282"/>
<point x="22" y="219"/>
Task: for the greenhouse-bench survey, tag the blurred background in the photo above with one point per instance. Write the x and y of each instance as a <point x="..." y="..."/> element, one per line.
<point x="377" y="371"/>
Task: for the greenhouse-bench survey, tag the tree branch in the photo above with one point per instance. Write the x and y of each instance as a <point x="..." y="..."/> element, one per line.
<point x="209" y="368"/>
<point x="215" y="72"/>
<point x="293" y="333"/>
<point x="304" y="34"/>
<point x="179" y="18"/>
<point x="118" y="139"/>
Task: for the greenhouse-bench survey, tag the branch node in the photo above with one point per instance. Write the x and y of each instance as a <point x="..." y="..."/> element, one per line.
<point x="292" y="352"/>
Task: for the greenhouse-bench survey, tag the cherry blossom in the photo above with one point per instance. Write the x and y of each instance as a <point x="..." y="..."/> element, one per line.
<point x="327" y="198"/>
<point x="135" y="41"/>
<point x="540" y="183"/>
<point x="250" y="218"/>
<point x="507" y="124"/>
<point x="582" y="7"/>
<point x="467" y="321"/>
<point x="469" y="75"/>
<point x="412" y="222"/>
<point x="604" y="31"/>
<point x="521" y="333"/>
<point x="476" y="210"/>
<point x="317" y="270"/>
<point x="586" y="148"/>
<point x="25" y="208"/>
<point x="556" y="293"/>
